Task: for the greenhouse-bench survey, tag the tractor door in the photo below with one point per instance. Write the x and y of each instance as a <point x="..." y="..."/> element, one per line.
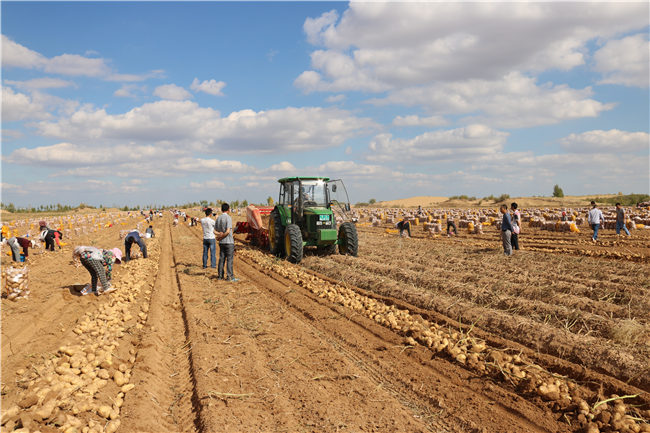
<point x="339" y="200"/>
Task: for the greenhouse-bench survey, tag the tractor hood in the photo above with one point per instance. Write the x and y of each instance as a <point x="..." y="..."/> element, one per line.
<point x="317" y="211"/>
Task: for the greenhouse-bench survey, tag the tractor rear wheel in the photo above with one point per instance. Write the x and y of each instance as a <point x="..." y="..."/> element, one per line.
<point x="293" y="243"/>
<point x="348" y="239"/>
<point x="276" y="234"/>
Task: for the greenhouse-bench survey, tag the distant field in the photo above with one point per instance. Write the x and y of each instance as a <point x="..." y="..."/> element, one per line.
<point x="434" y="201"/>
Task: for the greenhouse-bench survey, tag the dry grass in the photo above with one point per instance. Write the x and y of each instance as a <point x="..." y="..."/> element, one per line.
<point x="629" y="332"/>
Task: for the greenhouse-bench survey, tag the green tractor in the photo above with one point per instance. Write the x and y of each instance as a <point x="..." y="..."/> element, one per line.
<point x="305" y="217"/>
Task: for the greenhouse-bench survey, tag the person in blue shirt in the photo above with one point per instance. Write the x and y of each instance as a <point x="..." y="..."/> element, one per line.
<point x="506" y="230"/>
<point x="130" y="239"/>
<point x="223" y="227"/>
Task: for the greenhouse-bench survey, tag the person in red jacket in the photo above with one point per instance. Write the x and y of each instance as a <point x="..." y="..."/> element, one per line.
<point x="17" y="243"/>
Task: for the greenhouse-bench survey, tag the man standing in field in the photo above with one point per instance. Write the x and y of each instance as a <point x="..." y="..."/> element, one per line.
<point x="226" y="242"/>
<point x="209" y="239"/>
<point x="506" y="230"/>
<point x="620" y="220"/>
<point x="595" y="218"/>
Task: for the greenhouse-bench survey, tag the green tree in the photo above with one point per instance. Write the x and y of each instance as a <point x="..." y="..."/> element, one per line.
<point x="269" y="201"/>
<point x="372" y="201"/>
<point x="244" y="203"/>
<point x="557" y="191"/>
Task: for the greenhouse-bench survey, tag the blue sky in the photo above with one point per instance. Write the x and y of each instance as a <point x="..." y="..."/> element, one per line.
<point x="138" y="103"/>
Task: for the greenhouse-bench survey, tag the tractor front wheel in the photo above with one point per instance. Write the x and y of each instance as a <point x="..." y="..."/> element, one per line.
<point x="293" y="243"/>
<point x="276" y="234"/>
<point x="348" y="239"/>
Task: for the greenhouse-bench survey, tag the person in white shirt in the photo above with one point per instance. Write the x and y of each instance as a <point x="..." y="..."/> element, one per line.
<point x="595" y="219"/>
<point x="209" y="240"/>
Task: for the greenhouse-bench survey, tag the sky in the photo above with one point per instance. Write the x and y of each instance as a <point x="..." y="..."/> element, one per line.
<point x="137" y="103"/>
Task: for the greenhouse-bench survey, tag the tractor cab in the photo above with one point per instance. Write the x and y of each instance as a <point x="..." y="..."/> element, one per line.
<point x="308" y="207"/>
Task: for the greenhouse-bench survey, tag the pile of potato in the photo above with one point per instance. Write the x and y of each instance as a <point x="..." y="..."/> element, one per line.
<point x="562" y="394"/>
<point x="81" y="388"/>
<point x="14" y="283"/>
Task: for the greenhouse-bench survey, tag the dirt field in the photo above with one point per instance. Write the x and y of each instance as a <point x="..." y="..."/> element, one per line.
<point x="421" y="334"/>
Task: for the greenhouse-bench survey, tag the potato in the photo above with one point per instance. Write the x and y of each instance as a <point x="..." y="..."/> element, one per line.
<point x="104" y="411"/>
<point x="119" y="379"/>
<point x="128" y="387"/>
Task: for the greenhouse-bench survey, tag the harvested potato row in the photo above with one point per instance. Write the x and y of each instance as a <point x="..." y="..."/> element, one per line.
<point x="560" y="393"/>
<point x="66" y="390"/>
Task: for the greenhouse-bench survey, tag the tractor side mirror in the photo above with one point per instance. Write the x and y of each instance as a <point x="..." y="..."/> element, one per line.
<point x="347" y="207"/>
<point x="334" y="188"/>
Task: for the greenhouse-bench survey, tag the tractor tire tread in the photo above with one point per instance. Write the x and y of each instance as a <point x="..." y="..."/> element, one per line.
<point x="295" y="237"/>
<point x="351" y="246"/>
<point x="276" y="220"/>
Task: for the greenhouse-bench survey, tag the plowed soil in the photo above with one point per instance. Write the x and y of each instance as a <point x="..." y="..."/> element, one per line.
<point x="266" y="354"/>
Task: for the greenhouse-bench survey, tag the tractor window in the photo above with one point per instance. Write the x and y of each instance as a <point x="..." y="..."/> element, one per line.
<point x="295" y="195"/>
<point x="314" y="193"/>
<point x="286" y="197"/>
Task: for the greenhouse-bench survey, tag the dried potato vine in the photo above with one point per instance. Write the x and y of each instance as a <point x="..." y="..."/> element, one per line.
<point x="562" y="394"/>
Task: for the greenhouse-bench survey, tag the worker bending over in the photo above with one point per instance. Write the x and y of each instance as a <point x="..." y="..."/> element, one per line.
<point x="48" y="236"/>
<point x="404" y="225"/>
<point x="130" y="239"/>
<point x="17" y="243"/>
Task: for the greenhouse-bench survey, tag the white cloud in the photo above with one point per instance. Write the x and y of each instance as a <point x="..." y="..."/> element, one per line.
<point x="515" y="101"/>
<point x="127" y="91"/>
<point x="192" y="165"/>
<point x="172" y="92"/>
<point x="41" y="83"/>
<point x="335" y="98"/>
<point x="16" y="55"/>
<point x="444" y="145"/>
<point x="442" y="41"/>
<point x="211" y="87"/>
<point x="625" y="61"/>
<point x="19" y="56"/>
<point x="18" y="106"/>
<point x="213" y="183"/>
<point x="283" y="167"/>
<point x="349" y="169"/>
<point x="185" y="123"/>
<point x="316" y="27"/>
<point x="613" y="141"/>
<point x="73" y="155"/>
<point x="414" y="120"/>
<point x="11" y="134"/>
<point x="76" y="65"/>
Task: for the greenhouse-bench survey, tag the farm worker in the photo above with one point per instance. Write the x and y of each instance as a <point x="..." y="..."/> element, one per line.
<point x="48" y="236"/>
<point x="226" y="242"/>
<point x="620" y="220"/>
<point x="16" y="243"/>
<point x="595" y="218"/>
<point x="209" y="239"/>
<point x="516" y="226"/>
<point x="149" y="233"/>
<point x="404" y="225"/>
<point x="133" y="237"/>
<point x="94" y="260"/>
<point x="57" y="238"/>
<point x="451" y="225"/>
<point x="506" y="230"/>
